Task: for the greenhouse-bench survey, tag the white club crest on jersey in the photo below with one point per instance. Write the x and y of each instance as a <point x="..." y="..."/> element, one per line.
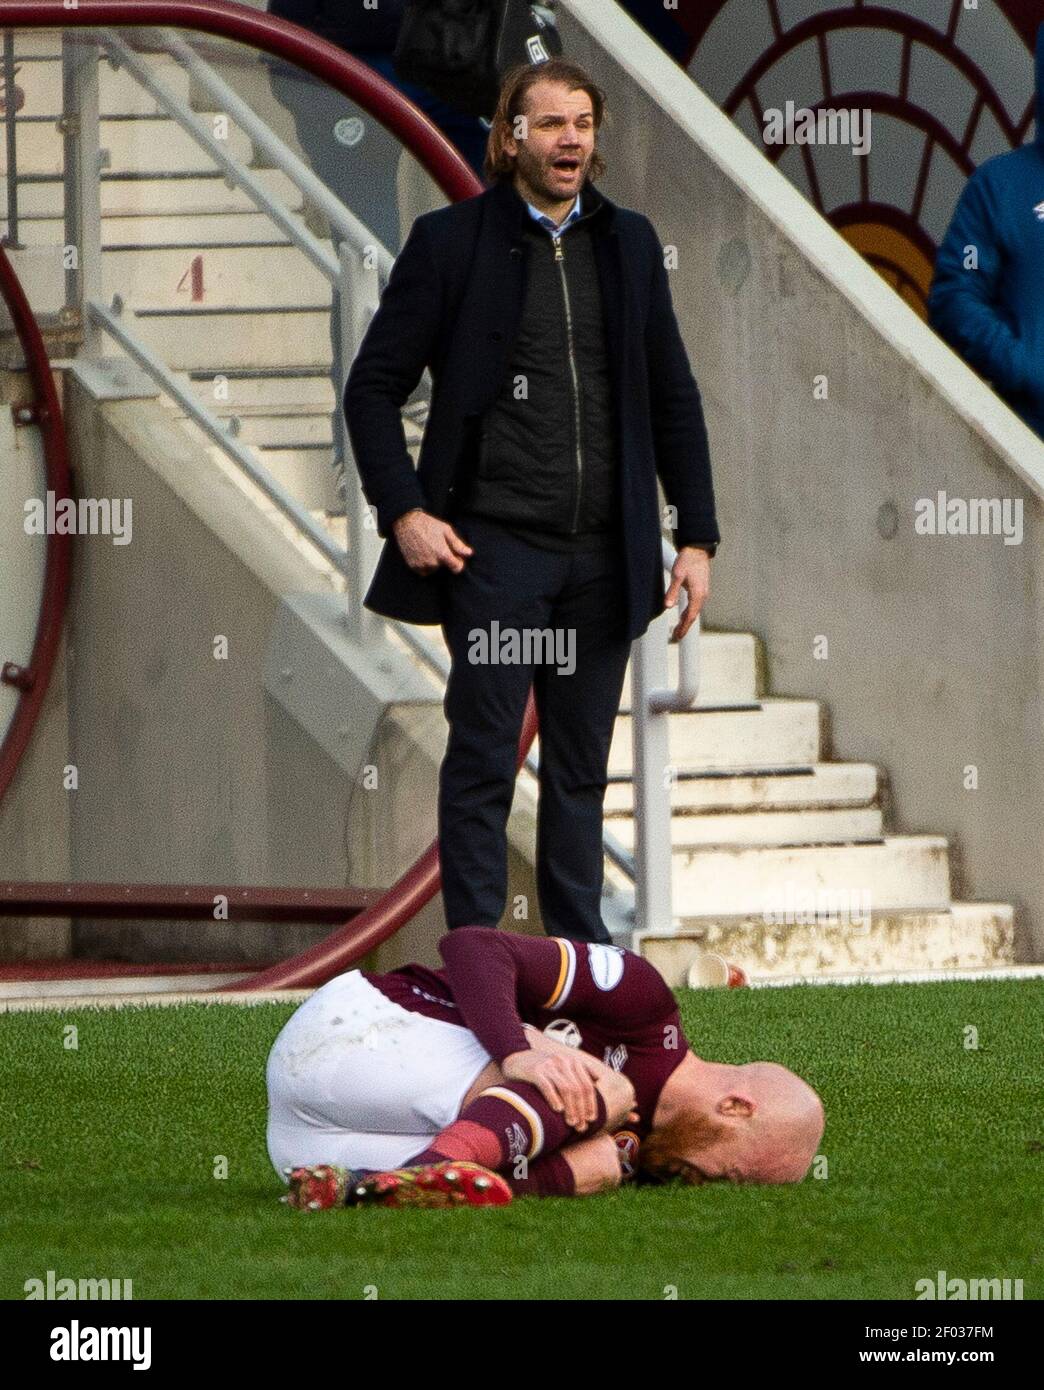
<point x="1039" y="210"/>
<point x="564" y="1030"/>
<point x="607" y="964"/>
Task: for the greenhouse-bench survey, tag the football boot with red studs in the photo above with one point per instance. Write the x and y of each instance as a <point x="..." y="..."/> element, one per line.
<point x="451" y="1183"/>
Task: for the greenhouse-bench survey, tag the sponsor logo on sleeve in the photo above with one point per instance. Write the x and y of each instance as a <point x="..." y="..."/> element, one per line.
<point x="606" y="963"/>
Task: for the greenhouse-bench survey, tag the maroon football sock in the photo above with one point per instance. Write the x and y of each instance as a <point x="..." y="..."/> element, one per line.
<point x="548" y="1176"/>
<point x="504" y="1123"/>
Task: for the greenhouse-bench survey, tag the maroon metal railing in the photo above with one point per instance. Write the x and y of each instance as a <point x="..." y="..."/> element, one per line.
<point x="376" y="922"/>
<point x="42" y="409"/>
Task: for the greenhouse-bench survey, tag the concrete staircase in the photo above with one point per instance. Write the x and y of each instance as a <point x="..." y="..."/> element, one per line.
<point x="782" y="859"/>
<point x="210" y="284"/>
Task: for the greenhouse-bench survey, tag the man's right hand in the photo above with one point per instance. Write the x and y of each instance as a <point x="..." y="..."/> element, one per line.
<point x="565" y="1078"/>
<point x="427" y="542"/>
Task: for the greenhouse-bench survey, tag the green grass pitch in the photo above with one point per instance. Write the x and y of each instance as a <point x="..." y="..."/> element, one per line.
<point x="934" y="1161"/>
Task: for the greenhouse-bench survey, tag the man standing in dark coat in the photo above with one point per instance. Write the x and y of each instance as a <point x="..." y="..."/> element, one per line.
<point x="530" y="529"/>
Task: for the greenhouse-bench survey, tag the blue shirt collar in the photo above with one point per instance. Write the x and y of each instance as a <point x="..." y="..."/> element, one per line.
<point x="545" y="221"/>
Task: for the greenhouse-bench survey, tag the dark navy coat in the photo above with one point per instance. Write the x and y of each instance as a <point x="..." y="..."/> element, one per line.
<point x="453" y="304"/>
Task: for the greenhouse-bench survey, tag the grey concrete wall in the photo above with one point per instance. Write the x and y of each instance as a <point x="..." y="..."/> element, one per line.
<point x="936" y="643"/>
<point x="35" y="817"/>
<point x="189" y="770"/>
<point x="192" y="770"/>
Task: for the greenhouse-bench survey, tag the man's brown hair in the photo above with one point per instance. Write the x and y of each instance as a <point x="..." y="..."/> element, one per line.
<point x="512" y="104"/>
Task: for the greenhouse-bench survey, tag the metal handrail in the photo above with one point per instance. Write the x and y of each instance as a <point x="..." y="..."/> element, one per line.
<point x="342" y="219"/>
<point x="353" y="231"/>
<point x="331" y="64"/>
<point x="338" y="214"/>
<point x="212" y="426"/>
<point x="282" y="156"/>
<point x="652" y="703"/>
<point x="10" y="141"/>
<point x="44" y="410"/>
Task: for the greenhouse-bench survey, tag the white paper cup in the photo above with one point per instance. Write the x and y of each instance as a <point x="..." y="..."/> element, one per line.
<point x="709" y="971"/>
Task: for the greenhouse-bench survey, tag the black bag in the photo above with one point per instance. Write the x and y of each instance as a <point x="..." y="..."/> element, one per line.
<point x="359" y="29"/>
<point x="460" y="49"/>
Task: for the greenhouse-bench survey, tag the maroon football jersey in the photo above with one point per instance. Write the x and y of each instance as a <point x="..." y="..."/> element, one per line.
<point x="605" y="999"/>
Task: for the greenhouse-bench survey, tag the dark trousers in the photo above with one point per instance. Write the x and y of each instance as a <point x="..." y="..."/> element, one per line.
<point x="580" y="598"/>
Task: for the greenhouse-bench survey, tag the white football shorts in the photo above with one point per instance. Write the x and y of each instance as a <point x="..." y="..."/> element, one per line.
<point x="356" y="1080"/>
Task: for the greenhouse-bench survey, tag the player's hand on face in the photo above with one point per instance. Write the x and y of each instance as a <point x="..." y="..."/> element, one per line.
<point x="563" y="1077"/>
<point x="427" y="542"/>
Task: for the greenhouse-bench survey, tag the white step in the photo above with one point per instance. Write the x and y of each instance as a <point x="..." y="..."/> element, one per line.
<point x="728" y="669"/>
<point x="967" y="936"/>
<point x="910" y="871"/>
<point x="223" y="340"/>
<point x="119" y="92"/>
<point x="46" y="43"/>
<point x="826" y="785"/>
<point x="311" y="394"/>
<point x="156" y="195"/>
<point x="139" y="146"/>
<point x="336" y="526"/>
<point x="781" y="733"/>
<point x="307" y="475"/>
<point x="275" y="276"/>
<point x="172" y="229"/>
<point x="95" y="986"/>
<point x="841" y="825"/>
<point x="41" y="43"/>
<point x="300" y="430"/>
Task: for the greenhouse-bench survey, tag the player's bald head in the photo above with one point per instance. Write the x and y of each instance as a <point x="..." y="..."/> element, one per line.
<point x="758" y="1122"/>
<point x="782" y="1134"/>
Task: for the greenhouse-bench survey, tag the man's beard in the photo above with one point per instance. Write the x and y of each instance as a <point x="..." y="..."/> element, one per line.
<point x="667" y="1152"/>
<point x="538" y="176"/>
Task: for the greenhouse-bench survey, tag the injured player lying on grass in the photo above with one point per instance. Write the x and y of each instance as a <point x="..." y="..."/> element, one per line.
<point x="528" y="1066"/>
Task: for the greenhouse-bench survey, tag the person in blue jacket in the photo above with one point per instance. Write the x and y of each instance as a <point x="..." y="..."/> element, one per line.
<point x="987" y="295"/>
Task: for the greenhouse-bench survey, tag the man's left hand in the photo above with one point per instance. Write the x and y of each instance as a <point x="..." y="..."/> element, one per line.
<point x="691" y="572"/>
